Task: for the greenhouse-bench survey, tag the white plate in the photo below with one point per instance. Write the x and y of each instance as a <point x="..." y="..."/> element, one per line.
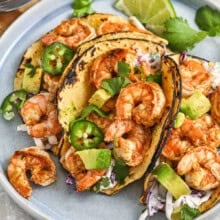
<point x="59" y="201"/>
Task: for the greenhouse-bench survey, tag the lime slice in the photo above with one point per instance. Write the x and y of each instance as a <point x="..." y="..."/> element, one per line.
<point x="95" y="158"/>
<point x="152" y="13"/>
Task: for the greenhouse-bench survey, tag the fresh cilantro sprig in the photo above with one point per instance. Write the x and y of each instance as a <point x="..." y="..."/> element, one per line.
<point x="82" y="8"/>
<point x="180" y="35"/>
<point x="92" y="108"/>
<point x="115" y="84"/>
<point x="208" y="20"/>
<point x="154" y="78"/>
<point x="188" y="213"/>
<point x="31" y="68"/>
<point x="121" y="170"/>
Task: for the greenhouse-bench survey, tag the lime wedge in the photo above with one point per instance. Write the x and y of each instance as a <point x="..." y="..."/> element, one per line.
<point x="152" y="13"/>
<point x="95" y="158"/>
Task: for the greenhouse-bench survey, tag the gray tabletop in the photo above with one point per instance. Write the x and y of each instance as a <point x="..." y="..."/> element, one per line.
<point x="9" y="210"/>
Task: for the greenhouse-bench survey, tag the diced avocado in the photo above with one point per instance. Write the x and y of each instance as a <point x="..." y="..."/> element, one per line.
<point x="196" y="105"/>
<point x="179" y="120"/>
<point x="170" y="180"/>
<point x="95" y="158"/>
<point x="99" y="97"/>
<point x="31" y="81"/>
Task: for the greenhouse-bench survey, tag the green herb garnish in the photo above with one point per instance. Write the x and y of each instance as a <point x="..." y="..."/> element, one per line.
<point x="180" y="35"/>
<point x="121" y="170"/>
<point x="123" y="69"/>
<point x="188" y="213"/>
<point x="114" y="85"/>
<point x="208" y="20"/>
<point x="154" y="78"/>
<point x="82" y="8"/>
<point x="31" y="69"/>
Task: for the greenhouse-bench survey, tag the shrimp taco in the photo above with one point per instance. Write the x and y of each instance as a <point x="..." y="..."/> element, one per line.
<point x="35" y="72"/>
<point x="186" y="177"/>
<point x="116" y="104"/>
<point x="47" y="61"/>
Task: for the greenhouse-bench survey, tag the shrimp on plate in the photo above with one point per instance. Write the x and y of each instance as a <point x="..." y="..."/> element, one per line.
<point x="193" y="133"/>
<point x="40" y="116"/>
<point x="215" y="104"/>
<point x="51" y="83"/>
<point x="194" y="76"/>
<point x="131" y="140"/>
<point x="33" y="160"/>
<point x="176" y="146"/>
<point x="70" y="32"/>
<point x="143" y="102"/>
<point x="115" y="24"/>
<point x="84" y="179"/>
<point x="201" y="168"/>
<point x="105" y="66"/>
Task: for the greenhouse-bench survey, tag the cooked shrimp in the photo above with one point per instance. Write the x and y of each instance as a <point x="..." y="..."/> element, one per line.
<point x="176" y="146"/>
<point x="113" y="24"/>
<point x="33" y="160"/>
<point x="194" y="76"/>
<point x="201" y="168"/>
<point x="51" y="83"/>
<point x="131" y="140"/>
<point x="40" y="116"/>
<point x="70" y="32"/>
<point x="101" y="122"/>
<point x="192" y="133"/>
<point x="104" y="67"/>
<point x="202" y="132"/>
<point x="142" y="102"/>
<point x="85" y="179"/>
<point x="215" y="107"/>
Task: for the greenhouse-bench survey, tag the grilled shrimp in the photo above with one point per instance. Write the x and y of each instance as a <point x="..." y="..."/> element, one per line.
<point x="51" y="83"/>
<point x="70" y="32"/>
<point x="176" y="146"/>
<point x="40" y="116"/>
<point x="194" y="76"/>
<point x="201" y="168"/>
<point x="142" y="102"/>
<point x="101" y="122"/>
<point x="131" y="140"/>
<point x="215" y="107"/>
<point x="37" y="162"/>
<point x="84" y="179"/>
<point x="104" y="67"/>
<point x="113" y="24"/>
<point x="192" y="133"/>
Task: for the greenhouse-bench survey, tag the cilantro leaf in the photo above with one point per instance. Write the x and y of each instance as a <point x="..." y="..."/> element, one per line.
<point x="121" y="170"/>
<point x="188" y="213"/>
<point x="31" y="68"/>
<point x="180" y="35"/>
<point x="123" y="69"/>
<point x="82" y="8"/>
<point x="92" y="108"/>
<point x="114" y="85"/>
<point x="154" y="78"/>
<point x="105" y="182"/>
<point x="208" y="20"/>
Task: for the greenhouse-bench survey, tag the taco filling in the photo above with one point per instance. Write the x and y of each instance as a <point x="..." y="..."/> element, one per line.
<point x="191" y="151"/>
<point x="114" y="108"/>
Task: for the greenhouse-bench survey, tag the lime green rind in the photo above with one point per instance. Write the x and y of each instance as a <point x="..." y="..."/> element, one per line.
<point x="152" y="13"/>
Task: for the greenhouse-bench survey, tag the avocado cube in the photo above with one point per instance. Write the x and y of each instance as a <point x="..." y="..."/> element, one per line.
<point x="196" y="105"/>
